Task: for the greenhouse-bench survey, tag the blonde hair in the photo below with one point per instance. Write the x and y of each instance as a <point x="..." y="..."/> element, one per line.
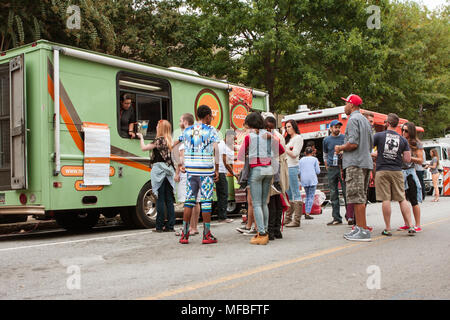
<point x="164" y="130"/>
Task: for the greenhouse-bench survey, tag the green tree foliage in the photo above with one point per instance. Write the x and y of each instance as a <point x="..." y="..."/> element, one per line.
<point x="416" y="77"/>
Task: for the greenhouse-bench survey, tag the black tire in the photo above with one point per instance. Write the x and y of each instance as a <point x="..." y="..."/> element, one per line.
<point x="233" y="208"/>
<point x="144" y="215"/>
<point x="77" y="220"/>
<point x="431" y="192"/>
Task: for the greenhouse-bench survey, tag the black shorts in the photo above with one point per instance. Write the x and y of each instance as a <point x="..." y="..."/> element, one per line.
<point x="411" y="192"/>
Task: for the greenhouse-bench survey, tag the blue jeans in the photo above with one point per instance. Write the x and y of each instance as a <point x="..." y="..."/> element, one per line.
<point x="259" y="189"/>
<point x="310" y="192"/>
<point x="334" y="177"/>
<point x="165" y="201"/>
<point x="294" y="185"/>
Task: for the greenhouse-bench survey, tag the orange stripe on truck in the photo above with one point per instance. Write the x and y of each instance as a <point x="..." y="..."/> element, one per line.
<point x="130" y="163"/>
<point x="66" y="117"/>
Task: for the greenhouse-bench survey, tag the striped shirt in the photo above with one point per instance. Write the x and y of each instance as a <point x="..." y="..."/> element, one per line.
<point x="199" y="142"/>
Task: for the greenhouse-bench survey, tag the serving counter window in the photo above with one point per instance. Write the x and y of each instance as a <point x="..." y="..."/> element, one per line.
<point x="150" y="101"/>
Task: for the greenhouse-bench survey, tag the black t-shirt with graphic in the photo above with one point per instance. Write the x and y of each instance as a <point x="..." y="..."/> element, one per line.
<point x="390" y="147"/>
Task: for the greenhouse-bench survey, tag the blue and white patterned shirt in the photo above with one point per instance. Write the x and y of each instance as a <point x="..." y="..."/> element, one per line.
<point x="199" y="142"/>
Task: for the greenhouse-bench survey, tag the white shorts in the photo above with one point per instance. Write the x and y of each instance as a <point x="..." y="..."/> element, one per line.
<point x="181" y="189"/>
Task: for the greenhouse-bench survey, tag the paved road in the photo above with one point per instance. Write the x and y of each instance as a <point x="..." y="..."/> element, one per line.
<point x="313" y="262"/>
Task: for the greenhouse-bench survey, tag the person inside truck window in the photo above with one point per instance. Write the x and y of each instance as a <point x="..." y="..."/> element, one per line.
<point x="127" y="116"/>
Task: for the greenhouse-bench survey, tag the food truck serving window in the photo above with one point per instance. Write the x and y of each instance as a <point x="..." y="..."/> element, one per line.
<point x="150" y="101"/>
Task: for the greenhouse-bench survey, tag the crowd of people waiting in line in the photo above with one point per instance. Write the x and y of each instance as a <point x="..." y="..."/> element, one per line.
<point x="274" y="173"/>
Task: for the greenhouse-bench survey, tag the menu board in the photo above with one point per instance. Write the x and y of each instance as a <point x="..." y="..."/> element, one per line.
<point x="97" y="151"/>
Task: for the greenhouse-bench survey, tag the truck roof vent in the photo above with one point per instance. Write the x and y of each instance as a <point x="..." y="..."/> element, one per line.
<point x="195" y="73"/>
<point x="303" y="108"/>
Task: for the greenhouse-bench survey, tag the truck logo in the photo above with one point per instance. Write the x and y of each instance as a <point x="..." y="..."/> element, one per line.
<point x="209" y="98"/>
<point x="238" y="114"/>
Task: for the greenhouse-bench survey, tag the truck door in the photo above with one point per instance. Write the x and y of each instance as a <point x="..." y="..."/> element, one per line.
<point x="13" y="168"/>
<point x="18" y="130"/>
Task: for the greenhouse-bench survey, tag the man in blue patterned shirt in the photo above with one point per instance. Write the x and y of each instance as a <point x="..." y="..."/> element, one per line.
<point x="201" y="163"/>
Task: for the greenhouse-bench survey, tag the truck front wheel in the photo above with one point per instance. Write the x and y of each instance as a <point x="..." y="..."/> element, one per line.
<point x="144" y="215"/>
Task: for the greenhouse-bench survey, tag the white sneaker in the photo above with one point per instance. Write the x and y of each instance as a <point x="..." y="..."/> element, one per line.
<point x="250" y="232"/>
<point x="242" y="229"/>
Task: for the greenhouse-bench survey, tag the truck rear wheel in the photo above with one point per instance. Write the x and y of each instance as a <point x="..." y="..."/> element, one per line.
<point x="77" y="220"/>
<point x="144" y="216"/>
<point x="233" y="208"/>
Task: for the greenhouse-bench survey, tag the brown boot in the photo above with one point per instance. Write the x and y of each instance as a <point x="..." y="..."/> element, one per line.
<point x="258" y="239"/>
<point x="288" y="217"/>
<point x="298" y="208"/>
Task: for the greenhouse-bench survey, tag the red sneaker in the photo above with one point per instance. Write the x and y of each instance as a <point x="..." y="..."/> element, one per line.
<point x="418" y="229"/>
<point x="404" y="228"/>
<point x="184" y="238"/>
<point x="209" y="238"/>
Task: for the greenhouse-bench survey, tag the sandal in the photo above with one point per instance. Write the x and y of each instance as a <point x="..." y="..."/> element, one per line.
<point x="333" y="223"/>
<point x="386" y="233"/>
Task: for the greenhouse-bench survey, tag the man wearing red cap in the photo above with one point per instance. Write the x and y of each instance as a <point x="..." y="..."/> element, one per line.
<point x="358" y="163"/>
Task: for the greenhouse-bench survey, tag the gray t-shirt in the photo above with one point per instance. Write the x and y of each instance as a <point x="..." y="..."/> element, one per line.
<point x="435" y="170"/>
<point x="358" y="131"/>
<point x="409" y="165"/>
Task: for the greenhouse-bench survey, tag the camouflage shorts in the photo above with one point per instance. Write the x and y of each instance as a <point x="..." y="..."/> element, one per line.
<point x="356" y="183"/>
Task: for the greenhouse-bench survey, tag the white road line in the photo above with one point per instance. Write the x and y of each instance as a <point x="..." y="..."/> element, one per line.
<point x="74" y="241"/>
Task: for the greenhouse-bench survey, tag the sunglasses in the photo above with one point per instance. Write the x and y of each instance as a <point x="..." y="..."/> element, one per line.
<point x="404" y="130"/>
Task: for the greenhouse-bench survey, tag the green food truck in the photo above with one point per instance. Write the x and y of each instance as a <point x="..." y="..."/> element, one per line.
<point x="62" y="151"/>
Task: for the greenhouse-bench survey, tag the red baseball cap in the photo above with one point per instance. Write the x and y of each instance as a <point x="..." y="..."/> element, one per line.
<point x="353" y="99"/>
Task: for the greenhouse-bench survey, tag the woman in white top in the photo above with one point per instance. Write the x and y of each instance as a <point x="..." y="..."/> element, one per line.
<point x="294" y="144"/>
